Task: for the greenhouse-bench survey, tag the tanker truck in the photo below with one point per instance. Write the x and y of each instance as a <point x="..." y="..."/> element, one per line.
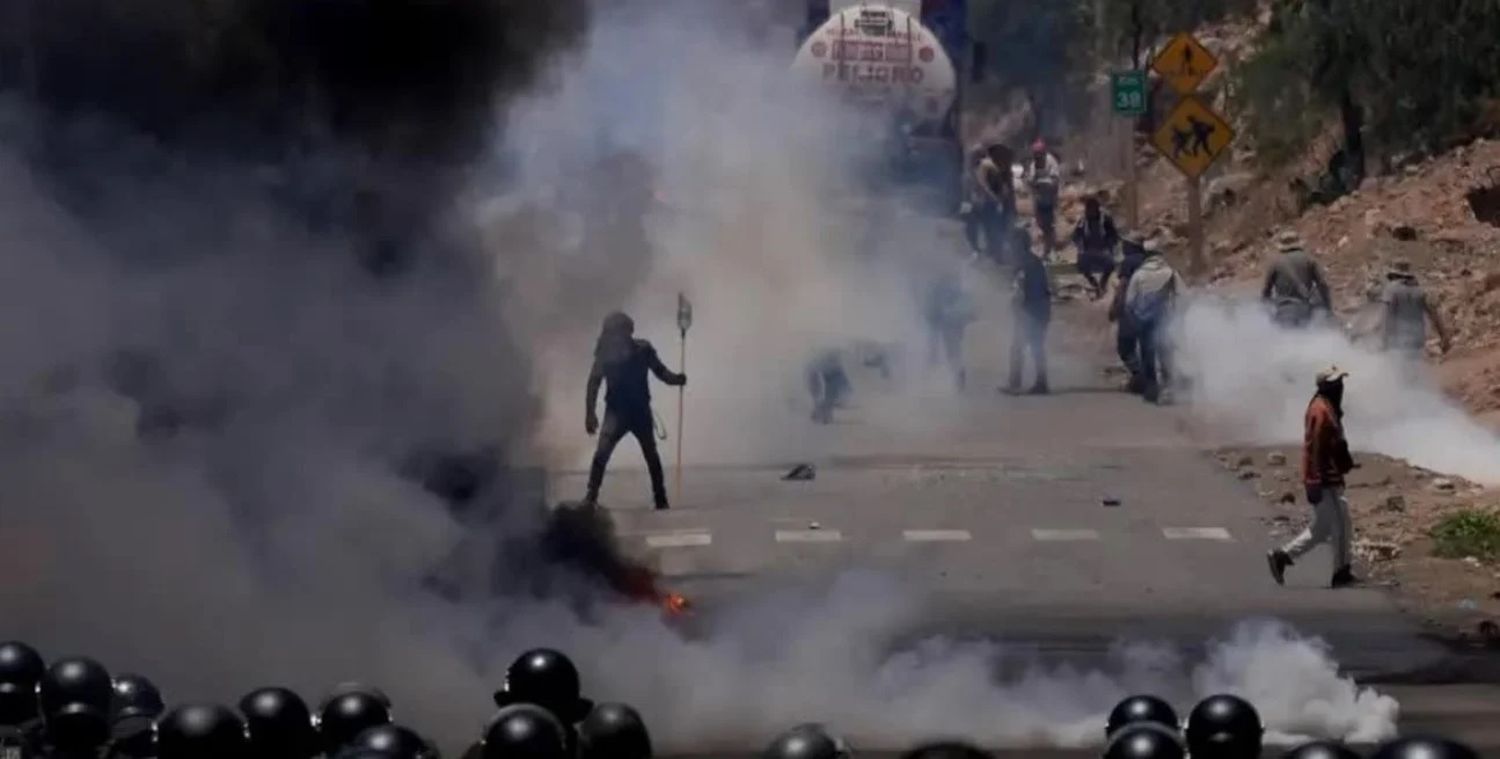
<point x="898" y="62"/>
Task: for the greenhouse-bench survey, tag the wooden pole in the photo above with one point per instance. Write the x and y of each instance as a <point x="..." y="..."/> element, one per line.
<point x="681" y="395"/>
<point x="1198" y="265"/>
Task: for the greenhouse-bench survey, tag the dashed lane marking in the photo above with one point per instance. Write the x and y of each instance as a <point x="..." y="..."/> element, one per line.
<point x="680" y="539"/>
<point x="808" y="536"/>
<point x="1196" y="533"/>
<point x="1048" y="535"/>
<point x="937" y="536"/>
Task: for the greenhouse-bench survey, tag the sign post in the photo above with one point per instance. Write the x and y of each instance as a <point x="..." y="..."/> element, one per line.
<point x="684" y="320"/>
<point x="1128" y="98"/>
<point x="1192" y="136"/>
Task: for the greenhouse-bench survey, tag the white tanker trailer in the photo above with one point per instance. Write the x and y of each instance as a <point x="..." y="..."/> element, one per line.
<point x="900" y="75"/>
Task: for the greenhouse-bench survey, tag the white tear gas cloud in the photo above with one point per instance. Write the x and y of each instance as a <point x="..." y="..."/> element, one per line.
<point x="220" y="509"/>
<point x="1253" y="380"/>
<point x="755" y="206"/>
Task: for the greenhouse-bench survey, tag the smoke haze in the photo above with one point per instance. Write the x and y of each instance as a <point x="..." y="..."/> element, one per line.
<point x="215" y="371"/>
<point x="1253" y="380"/>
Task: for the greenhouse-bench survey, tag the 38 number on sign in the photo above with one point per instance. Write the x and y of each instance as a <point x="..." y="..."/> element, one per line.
<point x="1129" y="92"/>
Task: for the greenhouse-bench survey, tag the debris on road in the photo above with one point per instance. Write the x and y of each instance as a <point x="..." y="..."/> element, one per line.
<point x="1276" y="458"/>
<point x="801" y="473"/>
<point x="1110" y="501"/>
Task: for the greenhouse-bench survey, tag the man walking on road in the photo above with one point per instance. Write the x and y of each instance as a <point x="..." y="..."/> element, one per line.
<point x="1150" y="300"/>
<point x="622" y="362"/>
<point x="1407" y="310"/>
<point x="1032" y="315"/>
<point x="949" y="311"/>
<point x="1294" y="285"/>
<point x="1325" y="461"/>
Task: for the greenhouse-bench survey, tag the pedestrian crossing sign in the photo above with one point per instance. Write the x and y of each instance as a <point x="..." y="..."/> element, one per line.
<point x="1192" y="137"/>
<point x="1184" y="63"/>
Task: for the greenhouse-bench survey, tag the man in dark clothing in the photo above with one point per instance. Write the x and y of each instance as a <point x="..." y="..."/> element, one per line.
<point x="1095" y="238"/>
<point x="828" y="384"/>
<point x="1325" y="461"/>
<point x="1294" y="284"/>
<point x="1127" y="341"/>
<point x="623" y="361"/>
<point x="1033" y="313"/>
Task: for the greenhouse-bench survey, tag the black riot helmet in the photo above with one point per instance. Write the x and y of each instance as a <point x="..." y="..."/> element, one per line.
<point x="279" y="724"/>
<point x="1321" y="750"/>
<point x="946" y="750"/>
<point x="613" y="731"/>
<point x="135" y="696"/>
<point x="74" y="695"/>
<point x="21" y="668"/>
<point x="393" y="741"/>
<point x="547" y="678"/>
<point x="200" y="731"/>
<point x="75" y="680"/>
<point x="352" y="686"/>
<point x="1145" y="740"/>
<point x="1424" y="747"/>
<point x="345" y="717"/>
<point x="805" y="742"/>
<point x="1224" y="726"/>
<point x="132" y="712"/>
<point x="524" y="731"/>
<point x="1141" y="708"/>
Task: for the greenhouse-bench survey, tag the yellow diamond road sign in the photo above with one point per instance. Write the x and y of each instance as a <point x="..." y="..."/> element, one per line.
<point x="1192" y="137"/>
<point x="1184" y="63"/>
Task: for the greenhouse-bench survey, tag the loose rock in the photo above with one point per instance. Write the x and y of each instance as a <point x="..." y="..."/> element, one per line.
<point x="1394" y="503"/>
<point x="1276" y="459"/>
<point x="1249" y="474"/>
<point x="1444" y="485"/>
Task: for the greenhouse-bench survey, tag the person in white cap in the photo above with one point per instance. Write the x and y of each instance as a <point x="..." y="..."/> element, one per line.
<point x="1325" y="461"/>
<point x="1294" y="285"/>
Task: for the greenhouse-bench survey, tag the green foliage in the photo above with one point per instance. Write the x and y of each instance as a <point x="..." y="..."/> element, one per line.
<point x="1285" y="113"/>
<point x="1470" y="532"/>
<point x="1420" y="73"/>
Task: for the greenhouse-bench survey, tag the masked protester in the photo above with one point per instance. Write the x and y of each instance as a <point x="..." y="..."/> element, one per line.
<point x="622" y="363"/>
<point x="1325" y="461"/>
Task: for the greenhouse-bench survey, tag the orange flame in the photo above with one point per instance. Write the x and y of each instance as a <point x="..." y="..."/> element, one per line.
<point x="676" y="604"/>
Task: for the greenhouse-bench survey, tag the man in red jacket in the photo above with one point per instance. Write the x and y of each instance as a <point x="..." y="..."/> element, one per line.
<point x="1325" y="461"/>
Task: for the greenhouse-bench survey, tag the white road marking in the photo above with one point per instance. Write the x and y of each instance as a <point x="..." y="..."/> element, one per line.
<point x="808" y="536"/>
<point x="680" y="539"/>
<point x="937" y="536"/>
<point x="1196" y="533"/>
<point x="1061" y="535"/>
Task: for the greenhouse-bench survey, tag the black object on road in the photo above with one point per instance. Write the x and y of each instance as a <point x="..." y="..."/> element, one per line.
<point x="801" y="473"/>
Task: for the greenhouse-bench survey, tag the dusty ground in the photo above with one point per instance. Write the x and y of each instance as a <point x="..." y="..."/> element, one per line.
<point x="1394" y="506"/>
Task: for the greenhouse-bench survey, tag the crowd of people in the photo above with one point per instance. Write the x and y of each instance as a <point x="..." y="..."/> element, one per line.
<point x="73" y="708"/>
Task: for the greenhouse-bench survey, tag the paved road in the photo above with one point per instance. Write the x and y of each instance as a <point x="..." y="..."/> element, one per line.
<point x="1062" y="524"/>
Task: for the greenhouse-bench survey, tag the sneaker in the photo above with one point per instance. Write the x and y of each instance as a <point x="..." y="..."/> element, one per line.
<point x="662" y="505"/>
<point x="1343" y="578"/>
<point x="1039" y="388"/>
<point x="1278" y="561"/>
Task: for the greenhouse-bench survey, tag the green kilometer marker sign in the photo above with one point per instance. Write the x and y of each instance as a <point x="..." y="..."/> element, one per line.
<point x="1128" y="92"/>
